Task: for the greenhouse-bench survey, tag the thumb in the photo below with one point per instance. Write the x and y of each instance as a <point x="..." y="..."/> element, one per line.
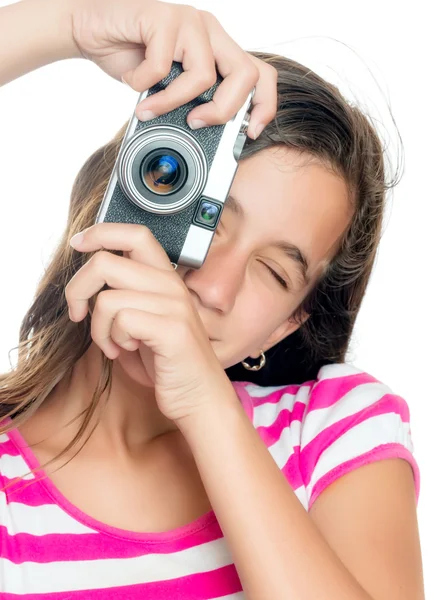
<point x="127" y="77"/>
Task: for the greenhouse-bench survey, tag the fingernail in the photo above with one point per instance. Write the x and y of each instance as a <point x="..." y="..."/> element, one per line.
<point x="258" y="130"/>
<point x="76" y="239"/>
<point x="197" y="123"/>
<point x="146" y="115"/>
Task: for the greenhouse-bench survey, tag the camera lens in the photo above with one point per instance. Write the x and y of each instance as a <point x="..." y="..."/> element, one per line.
<point x="163" y="171"/>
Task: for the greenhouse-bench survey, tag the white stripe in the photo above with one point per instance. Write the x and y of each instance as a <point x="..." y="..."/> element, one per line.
<point x="282" y="449"/>
<point x="257" y="391"/>
<point x="267" y="413"/>
<point x="381" y="429"/>
<point x="237" y="596"/>
<point x="14" y="466"/>
<point x="69" y="576"/>
<point x="352" y="402"/>
<point x="337" y="370"/>
<point x="38" y="520"/>
<point x="301" y="494"/>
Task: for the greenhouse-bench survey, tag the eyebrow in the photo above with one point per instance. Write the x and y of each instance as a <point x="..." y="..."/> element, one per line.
<point x="290" y="250"/>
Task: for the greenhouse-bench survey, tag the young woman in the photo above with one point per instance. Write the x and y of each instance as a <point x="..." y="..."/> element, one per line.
<point x="141" y="456"/>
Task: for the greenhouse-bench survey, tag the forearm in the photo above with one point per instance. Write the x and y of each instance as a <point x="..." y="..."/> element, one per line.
<point x="34" y="33"/>
<point x="277" y="550"/>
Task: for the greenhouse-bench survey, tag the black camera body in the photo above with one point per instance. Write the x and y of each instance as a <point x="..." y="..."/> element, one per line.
<point x="173" y="179"/>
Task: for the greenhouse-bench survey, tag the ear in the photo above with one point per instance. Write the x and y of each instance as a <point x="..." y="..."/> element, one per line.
<point x="286" y="328"/>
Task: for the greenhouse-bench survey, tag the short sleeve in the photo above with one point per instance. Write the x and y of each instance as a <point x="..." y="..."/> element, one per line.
<point x="351" y="420"/>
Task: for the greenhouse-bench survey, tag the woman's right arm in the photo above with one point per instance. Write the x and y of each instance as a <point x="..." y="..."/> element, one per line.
<point x="139" y="39"/>
<point x="34" y="33"/>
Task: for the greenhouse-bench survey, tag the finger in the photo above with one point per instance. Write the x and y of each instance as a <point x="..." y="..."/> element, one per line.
<point x="117" y="272"/>
<point x="198" y="76"/>
<point x="108" y="305"/>
<point x="239" y="72"/>
<point x="134" y="324"/>
<point x="138" y="240"/>
<point x="239" y="77"/>
<point x="265" y="99"/>
<point x="159" y="54"/>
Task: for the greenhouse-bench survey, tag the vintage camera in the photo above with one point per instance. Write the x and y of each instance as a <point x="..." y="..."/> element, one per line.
<point x="173" y="179"/>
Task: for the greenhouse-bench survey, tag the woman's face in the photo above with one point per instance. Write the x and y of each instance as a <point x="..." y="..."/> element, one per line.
<point x="281" y="198"/>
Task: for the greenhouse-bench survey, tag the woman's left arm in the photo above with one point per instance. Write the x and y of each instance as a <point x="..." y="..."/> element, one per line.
<point x="360" y="540"/>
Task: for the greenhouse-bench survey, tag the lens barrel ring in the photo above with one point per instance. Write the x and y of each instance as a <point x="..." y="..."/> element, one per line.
<point x="168" y="138"/>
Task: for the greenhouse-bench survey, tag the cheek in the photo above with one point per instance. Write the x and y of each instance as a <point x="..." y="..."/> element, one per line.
<point x="252" y="323"/>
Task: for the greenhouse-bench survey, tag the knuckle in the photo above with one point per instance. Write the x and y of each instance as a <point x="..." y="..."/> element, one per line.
<point x="251" y="72"/>
<point x="272" y="71"/>
<point x="100" y="264"/>
<point x="121" y="318"/>
<point x="101" y="301"/>
<point x="99" y="260"/>
<point x="159" y="70"/>
<point x="167" y="11"/>
<point x="142" y="234"/>
<point x="97" y="257"/>
<point x="95" y="231"/>
<point x="190" y="11"/>
<point x="164" y="67"/>
<point x="207" y="79"/>
<point x="208" y="17"/>
<point x="225" y="112"/>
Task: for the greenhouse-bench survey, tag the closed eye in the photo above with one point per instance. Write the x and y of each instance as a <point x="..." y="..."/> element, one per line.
<point x="278" y="277"/>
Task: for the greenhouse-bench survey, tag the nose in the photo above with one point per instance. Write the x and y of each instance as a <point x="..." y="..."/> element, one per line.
<point x="218" y="281"/>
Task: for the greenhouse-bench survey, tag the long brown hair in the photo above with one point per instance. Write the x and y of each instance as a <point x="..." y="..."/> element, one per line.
<point x="312" y="117"/>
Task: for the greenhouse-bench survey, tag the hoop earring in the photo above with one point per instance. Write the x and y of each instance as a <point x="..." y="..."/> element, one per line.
<point x="255" y="367"/>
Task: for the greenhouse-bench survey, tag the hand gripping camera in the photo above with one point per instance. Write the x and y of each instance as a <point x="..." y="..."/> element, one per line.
<point x="173" y="179"/>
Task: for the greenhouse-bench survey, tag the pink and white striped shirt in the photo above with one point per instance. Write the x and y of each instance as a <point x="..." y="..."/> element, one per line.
<point x="316" y="432"/>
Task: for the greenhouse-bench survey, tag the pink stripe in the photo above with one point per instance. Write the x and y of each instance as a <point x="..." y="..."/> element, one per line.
<point x="327" y="392"/>
<point x="392" y="450"/>
<point x="173" y="537"/>
<point x="271" y="434"/>
<point x="202" y="586"/>
<point x="312" y="451"/>
<point x="205" y="529"/>
<point x="25" y="491"/>
<point x="23" y="547"/>
<point x="9" y="448"/>
<point x="291" y="470"/>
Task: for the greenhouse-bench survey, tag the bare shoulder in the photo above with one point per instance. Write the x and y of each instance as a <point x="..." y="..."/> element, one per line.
<point x="369" y="518"/>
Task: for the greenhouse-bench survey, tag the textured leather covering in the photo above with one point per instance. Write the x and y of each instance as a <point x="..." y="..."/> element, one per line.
<point x="170" y="230"/>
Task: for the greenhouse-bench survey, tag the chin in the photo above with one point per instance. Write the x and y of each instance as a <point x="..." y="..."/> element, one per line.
<point x="132" y="365"/>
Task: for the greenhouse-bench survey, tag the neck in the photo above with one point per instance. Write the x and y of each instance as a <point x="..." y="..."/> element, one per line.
<point x="125" y="423"/>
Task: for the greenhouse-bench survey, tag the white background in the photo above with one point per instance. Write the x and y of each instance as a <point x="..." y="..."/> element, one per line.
<point x="52" y="119"/>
